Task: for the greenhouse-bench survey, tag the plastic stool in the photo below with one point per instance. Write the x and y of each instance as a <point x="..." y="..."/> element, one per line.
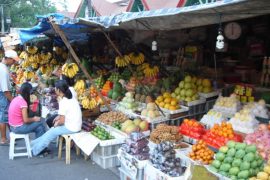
<point x="12" y="147"/>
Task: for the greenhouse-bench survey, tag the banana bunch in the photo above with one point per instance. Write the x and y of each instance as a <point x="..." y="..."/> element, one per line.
<point x="26" y="63"/>
<point x="70" y="70"/>
<point x="23" y="55"/>
<point x="31" y="49"/>
<point x="151" y="71"/>
<point x="45" y="69"/>
<point x="34" y="65"/>
<point x="122" y="61"/>
<point x="80" y="87"/>
<point x="28" y="74"/>
<point x="136" y="59"/>
<point x="53" y="61"/>
<point x="88" y="103"/>
<point x="45" y="57"/>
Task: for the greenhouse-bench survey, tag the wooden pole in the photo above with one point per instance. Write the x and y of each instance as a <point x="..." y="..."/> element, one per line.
<point x="77" y="60"/>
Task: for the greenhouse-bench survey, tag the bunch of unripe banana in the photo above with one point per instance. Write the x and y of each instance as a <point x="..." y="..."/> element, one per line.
<point x="80" y="87"/>
<point x="122" y="61"/>
<point x="70" y="69"/>
<point x="88" y="103"/>
<point x="136" y="59"/>
<point x="28" y="75"/>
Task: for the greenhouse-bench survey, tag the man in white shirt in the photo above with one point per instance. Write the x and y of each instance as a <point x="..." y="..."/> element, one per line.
<point x="10" y="58"/>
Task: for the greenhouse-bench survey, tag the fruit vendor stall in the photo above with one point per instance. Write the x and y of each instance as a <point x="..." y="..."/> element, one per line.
<point x="152" y="113"/>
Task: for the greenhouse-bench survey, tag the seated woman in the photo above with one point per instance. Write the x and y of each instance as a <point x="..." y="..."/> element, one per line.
<point x="70" y="120"/>
<point x="70" y="82"/>
<point x="18" y="111"/>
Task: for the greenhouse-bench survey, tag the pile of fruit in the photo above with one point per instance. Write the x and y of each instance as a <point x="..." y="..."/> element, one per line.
<point x="116" y="92"/>
<point x="218" y="135"/>
<point x="163" y="158"/>
<point x="136" y="125"/>
<point x="186" y="90"/>
<point x="200" y="152"/>
<point x="168" y="102"/>
<point x="204" y="85"/>
<point x="114" y="77"/>
<point x="106" y="88"/>
<point x="164" y="132"/>
<point x="117" y="125"/>
<point x="99" y="82"/>
<point x="70" y="69"/>
<point x="128" y="102"/>
<point x="192" y="128"/>
<point x="151" y="111"/>
<point x="258" y="109"/>
<point x="137" y="145"/>
<point x="87" y="102"/>
<point x="237" y="161"/>
<point x="101" y="133"/>
<point x="227" y="105"/>
<point x="244" y="121"/>
<point x="212" y="117"/>
<point x="263" y="175"/>
<point x="260" y="138"/>
<point x="112" y="116"/>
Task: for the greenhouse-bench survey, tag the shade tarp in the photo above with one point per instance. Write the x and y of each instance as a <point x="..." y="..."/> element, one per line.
<point x="72" y="31"/>
<point x="184" y="17"/>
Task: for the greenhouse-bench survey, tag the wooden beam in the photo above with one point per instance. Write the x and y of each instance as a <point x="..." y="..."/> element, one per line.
<point x="77" y="60"/>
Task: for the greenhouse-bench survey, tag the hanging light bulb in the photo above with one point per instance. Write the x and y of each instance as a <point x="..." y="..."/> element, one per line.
<point x="154" y="45"/>
<point x="220" y="40"/>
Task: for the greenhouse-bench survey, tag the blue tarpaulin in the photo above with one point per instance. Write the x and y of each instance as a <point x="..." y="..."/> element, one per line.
<point x="72" y="31"/>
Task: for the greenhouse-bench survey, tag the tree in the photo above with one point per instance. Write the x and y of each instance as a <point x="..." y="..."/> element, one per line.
<point x="23" y="12"/>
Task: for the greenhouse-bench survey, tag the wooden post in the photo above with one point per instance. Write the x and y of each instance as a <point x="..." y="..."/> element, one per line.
<point x="77" y="60"/>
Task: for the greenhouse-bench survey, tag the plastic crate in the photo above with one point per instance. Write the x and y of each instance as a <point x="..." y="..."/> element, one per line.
<point x="125" y="176"/>
<point x="105" y="161"/>
<point x="197" y="109"/>
<point x="210" y="104"/>
<point x="107" y="150"/>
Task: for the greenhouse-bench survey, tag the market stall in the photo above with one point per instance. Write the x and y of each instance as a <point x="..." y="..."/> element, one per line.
<point x="153" y="112"/>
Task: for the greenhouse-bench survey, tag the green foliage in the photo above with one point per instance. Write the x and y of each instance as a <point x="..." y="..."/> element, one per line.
<point x="23" y="12"/>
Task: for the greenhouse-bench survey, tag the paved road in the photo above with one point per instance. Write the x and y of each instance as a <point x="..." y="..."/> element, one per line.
<point x="50" y="168"/>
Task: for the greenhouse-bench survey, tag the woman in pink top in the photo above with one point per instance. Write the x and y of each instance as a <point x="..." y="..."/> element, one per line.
<point x="18" y="110"/>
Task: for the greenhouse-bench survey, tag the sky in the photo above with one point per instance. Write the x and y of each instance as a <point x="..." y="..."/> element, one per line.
<point x="72" y="4"/>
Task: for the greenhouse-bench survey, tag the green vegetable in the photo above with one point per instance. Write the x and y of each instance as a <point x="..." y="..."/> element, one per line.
<point x="234" y="171"/>
<point x="220" y="156"/>
<point x="240" y="146"/>
<point x="252" y="172"/>
<point x="233" y="177"/>
<point x="259" y="162"/>
<point x="249" y="157"/>
<point x="245" y="166"/>
<point x="225" y="167"/>
<point x="231" y="144"/>
<point x="251" y="148"/>
<point x="231" y="152"/>
<point x="228" y="160"/>
<point x="240" y="153"/>
<point x="253" y="164"/>
<point x="216" y="163"/>
<point x="243" y="174"/>
<point x="223" y="149"/>
<point x="257" y="156"/>
<point x="236" y="163"/>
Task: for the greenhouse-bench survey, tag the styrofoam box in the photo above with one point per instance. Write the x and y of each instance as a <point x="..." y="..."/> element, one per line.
<point x="196" y="102"/>
<point x="151" y="173"/>
<point x="125" y="176"/>
<point x="105" y="161"/>
<point x="107" y="150"/>
<point x="182" y="109"/>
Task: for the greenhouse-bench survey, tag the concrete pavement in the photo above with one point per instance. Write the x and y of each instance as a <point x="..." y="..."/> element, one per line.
<point x="50" y="168"/>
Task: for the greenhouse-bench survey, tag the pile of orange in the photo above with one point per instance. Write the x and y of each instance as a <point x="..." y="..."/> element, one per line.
<point x="224" y="130"/>
<point x="168" y="102"/>
<point x="200" y="152"/>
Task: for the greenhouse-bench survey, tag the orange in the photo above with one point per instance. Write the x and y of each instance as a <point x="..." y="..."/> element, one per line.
<point x="161" y="104"/>
<point x="167" y="106"/>
<point x="167" y="100"/>
<point x="166" y="95"/>
<point x="160" y="99"/>
<point x="172" y="108"/>
<point x="174" y="102"/>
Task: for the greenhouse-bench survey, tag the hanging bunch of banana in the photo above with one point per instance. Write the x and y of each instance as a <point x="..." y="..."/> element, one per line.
<point x="23" y="55"/>
<point x="34" y="65"/>
<point x="31" y="49"/>
<point x="45" y="69"/>
<point x="80" y="87"/>
<point x="150" y="71"/>
<point x="28" y="74"/>
<point x="25" y="63"/>
<point x="45" y="57"/>
<point x="122" y="61"/>
<point x="136" y="58"/>
<point x="88" y="103"/>
<point x="70" y="70"/>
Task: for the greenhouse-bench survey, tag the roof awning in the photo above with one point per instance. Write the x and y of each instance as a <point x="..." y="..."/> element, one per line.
<point x="185" y="17"/>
